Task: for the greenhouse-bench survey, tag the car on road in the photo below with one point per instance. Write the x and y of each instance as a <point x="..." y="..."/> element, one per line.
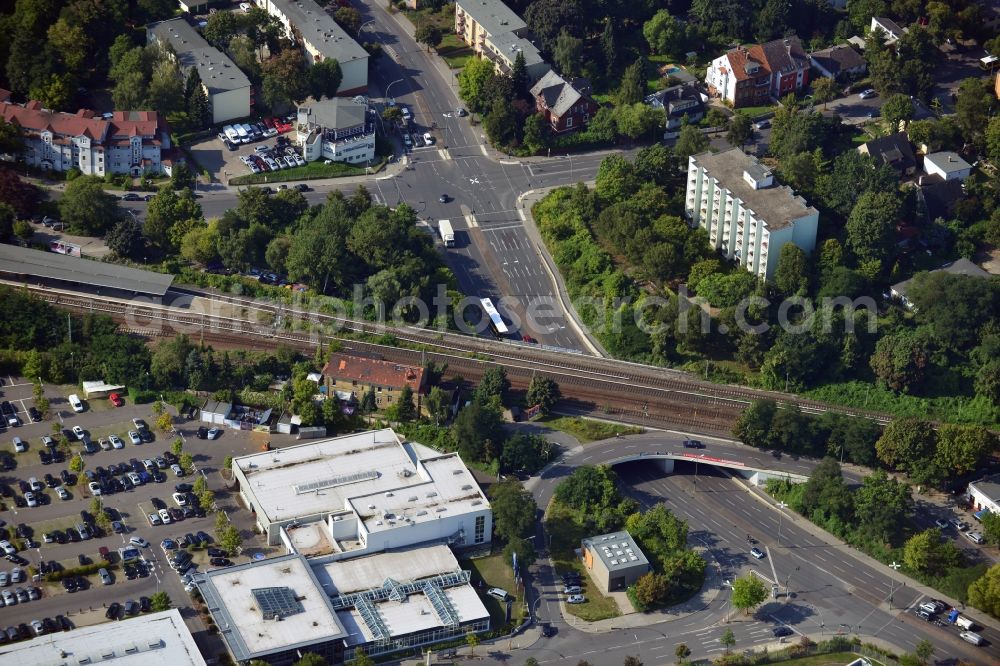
<point x="925" y="616"/>
<point x="9" y="598"/>
<point x="974" y="537"/>
<point x="170" y="544"/>
<point x="429" y="138"/>
<point x="216" y="552"/>
<point x="548" y="630"/>
<point x="116" y="400"/>
<point x="693" y="444"/>
<point x="31" y="500"/>
<point x="183" y="487"/>
<point x="139" y="541"/>
<point x="104" y="444"/>
<point x="933" y="606"/>
<point x="576" y="599"/>
<point x="78" y="432"/>
<point x="757" y="552"/>
<point x="782" y="631"/>
<point x="971" y="637"/>
<point x="866" y="93"/>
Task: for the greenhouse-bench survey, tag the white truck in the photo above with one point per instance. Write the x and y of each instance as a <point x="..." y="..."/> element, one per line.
<point x="447" y="233"/>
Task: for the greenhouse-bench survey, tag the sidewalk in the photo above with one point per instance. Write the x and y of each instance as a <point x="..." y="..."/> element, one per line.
<point x="526" y="200"/>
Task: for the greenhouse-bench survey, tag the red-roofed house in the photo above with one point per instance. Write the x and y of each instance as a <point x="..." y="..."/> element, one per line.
<point x="349" y="377"/>
<point x="131" y="142"/>
<point x="751" y="76"/>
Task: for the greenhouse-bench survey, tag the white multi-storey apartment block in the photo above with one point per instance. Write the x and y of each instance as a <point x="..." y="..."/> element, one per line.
<point x="748" y="216"/>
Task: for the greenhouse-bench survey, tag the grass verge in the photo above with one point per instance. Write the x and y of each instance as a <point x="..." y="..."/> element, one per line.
<point x="588" y="430"/>
<point x="311" y="171"/>
<point x="835" y="659"/>
<point x="565" y="537"/>
<point x="495" y="571"/>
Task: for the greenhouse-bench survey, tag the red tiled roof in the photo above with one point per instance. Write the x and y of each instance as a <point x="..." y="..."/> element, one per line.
<point x="374" y="371"/>
<point x="781" y="55"/>
<point x="738" y="59"/>
<point x="34" y="118"/>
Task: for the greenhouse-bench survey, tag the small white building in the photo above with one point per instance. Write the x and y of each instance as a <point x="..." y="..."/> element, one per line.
<point x="99" y="389"/>
<point x="143" y="640"/>
<point x="984" y="495"/>
<point x="747" y="215"/>
<point x="368" y="491"/>
<point x="948" y="165"/>
<point x="337" y="129"/>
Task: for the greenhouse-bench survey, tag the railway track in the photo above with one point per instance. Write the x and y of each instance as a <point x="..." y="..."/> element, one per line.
<point x="615" y="389"/>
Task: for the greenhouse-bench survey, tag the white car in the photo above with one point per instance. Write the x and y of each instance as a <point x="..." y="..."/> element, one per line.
<point x="165" y="516"/>
<point x="19" y="445"/>
<point x="74" y="401"/>
<point x="134" y="478"/>
<point x="180" y="499"/>
<point x="576" y="599"/>
<point x="31" y="499"/>
<point x="213" y="433"/>
<point x="429" y="138"/>
<point x="865" y="94"/>
<point x="95" y="488"/>
<point x="139" y="541"/>
<point x="133" y="437"/>
<point x="104" y="444"/>
<point x="6" y="547"/>
<point x="116" y="441"/>
<point x="177" y="469"/>
<point x="78" y="432"/>
<point x="154" y="519"/>
<point x="62" y="493"/>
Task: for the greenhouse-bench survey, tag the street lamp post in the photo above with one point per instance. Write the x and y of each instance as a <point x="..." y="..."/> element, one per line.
<point x="781" y="506"/>
<point x="892" y="581"/>
<point x="389" y="87"/>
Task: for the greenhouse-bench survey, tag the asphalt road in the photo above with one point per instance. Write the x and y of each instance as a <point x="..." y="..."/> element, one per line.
<point x="830" y="591"/>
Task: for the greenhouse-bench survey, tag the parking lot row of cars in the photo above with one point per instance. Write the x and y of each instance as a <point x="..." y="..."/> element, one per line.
<point x="35" y="628"/>
<point x="273" y="158"/>
<point x="244" y="133"/>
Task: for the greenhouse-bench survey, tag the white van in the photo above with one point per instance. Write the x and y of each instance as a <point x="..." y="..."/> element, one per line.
<point x="965" y="623"/>
<point x="974" y="537"/>
<point x="231" y="134"/>
<point x="74" y="401"/>
<point x="241" y="132"/>
<point x="971" y="637"/>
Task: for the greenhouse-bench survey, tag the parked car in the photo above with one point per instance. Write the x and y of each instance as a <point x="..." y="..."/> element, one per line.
<point x="106" y="578"/>
<point x="576" y="599"/>
<point x="75" y="403"/>
<point x="133" y="437"/>
<point x="79" y="433"/>
<point x="116" y="400"/>
<point x="114" y="610"/>
<point x="868" y="92"/>
<point x="202" y="432"/>
<point x="116" y="441"/>
<point x="499" y="593"/>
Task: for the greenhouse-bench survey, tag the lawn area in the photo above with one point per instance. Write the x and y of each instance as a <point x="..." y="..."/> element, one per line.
<point x="833" y="659"/>
<point x="565" y="536"/>
<point x="310" y="171"/>
<point x="495" y="571"/>
<point x="588" y="430"/>
<point x="454" y="51"/>
<point x="754" y="111"/>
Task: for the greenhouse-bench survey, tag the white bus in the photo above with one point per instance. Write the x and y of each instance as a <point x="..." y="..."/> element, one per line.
<point x="497" y="327"/>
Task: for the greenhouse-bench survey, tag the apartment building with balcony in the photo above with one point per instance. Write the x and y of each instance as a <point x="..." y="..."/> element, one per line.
<point x="752" y="75"/>
<point x="747" y="215"/>
<point x="496" y="33"/>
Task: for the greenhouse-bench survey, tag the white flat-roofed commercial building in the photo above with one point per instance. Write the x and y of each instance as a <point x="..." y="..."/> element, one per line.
<point x="157" y="639"/>
<point x="277" y="609"/>
<point x="337" y="129"/>
<point x="322" y="39"/>
<point x="747" y="215"/>
<point x="227" y="87"/>
<point x="371" y="491"/>
<point x="273" y="609"/>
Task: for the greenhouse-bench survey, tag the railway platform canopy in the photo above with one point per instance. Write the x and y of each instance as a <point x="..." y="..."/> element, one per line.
<point x="61" y="271"/>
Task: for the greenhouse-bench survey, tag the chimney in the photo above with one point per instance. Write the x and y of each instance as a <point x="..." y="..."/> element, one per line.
<point x="951" y="158"/>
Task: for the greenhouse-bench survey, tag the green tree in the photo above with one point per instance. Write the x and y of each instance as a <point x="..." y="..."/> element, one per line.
<point x="525" y="452"/>
<point x="500" y="123"/>
<point x="474" y="83"/>
<point x="690" y="141"/>
<point x="792" y="273"/>
<point x="86" y="208"/>
<point x="633" y="85"/>
<point x="753" y="426"/>
<point x="748" y="593"/>
<point x="991" y="528"/>
<point x="544" y="392"/>
<point x="972" y="110"/>
<point x="900" y="361"/>
<point x="428" y="34"/>
<point x="664" y="33"/>
<point x="898" y="109"/>
<point x="984" y="592"/>
<point x="879" y="505"/>
<point x="609" y="47"/>
<point x="182" y="177"/>
<point x="166" y="90"/>
<point x="616" y="179"/>
<point x="472" y="641"/>
<point x="824" y="90"/>
<point x="925" y="649"/>
<point x="740" y="129"/>
<point x="519" y="76"/>
<point x="871" y="225"/>
<point x="23" y="230"/>
<point x="961" y="449"/>
<point x="310" y="659"/>
<point x="186" y="461"/>
<point x="325" y="78"/>
<point x="681" y="653"/>
<point x="349" y="19"/>
<point x="905" y="442"/>
<point x="514" y="510"/>
<point x="406" y="410"/>
<point x="651" y="589"/>
<point x="535" y="133"/>
<point x="230" y="538"/>
<point x="728" y="640"/>
<point x="159" y="601"/>
<point x="76" y="464"/>
<point x="438" y="403"/>
<point x="360" y="658"/>
<point x="636" y="120"/>
<point x="478" y="432"/>
<point x="568" y="54"/>
<point x="493" y="386"/>
<point x="125" y="238"/>
<point x="992" y="138"/>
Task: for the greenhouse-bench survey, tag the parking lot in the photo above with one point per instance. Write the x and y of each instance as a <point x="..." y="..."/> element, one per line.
<point x="131" y="508"/>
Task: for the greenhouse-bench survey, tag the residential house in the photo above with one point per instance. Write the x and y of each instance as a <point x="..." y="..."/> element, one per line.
<point x="751" y="76"/>
<point x="958" y="267"/>
<point x="678" y="102"/>
<point x="747" y="215"/>
<point x="948" y="165"/>
<point x="349" y="377"/>
<point x="567" y="106"/>
<point x="129" y="142"/>
<point x="495" y="32"/>
<point x="322" y="38"/>
<point x="227" y="87"/>
<point x="337" y="129"/>
<point x="938" y="197"/>
<point x="893" y="150"/>
<point x="838" y="62"/>
<point x="892" y="32"/>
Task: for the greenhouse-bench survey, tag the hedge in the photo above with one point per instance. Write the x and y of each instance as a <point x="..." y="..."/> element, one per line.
<point x="85" y="570"/>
